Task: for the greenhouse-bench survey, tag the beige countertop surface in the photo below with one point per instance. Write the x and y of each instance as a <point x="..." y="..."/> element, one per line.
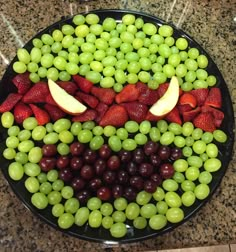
<point x="213" y="25"/>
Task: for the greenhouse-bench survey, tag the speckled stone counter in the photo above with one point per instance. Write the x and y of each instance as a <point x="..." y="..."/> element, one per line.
<point x="213" y="25"/>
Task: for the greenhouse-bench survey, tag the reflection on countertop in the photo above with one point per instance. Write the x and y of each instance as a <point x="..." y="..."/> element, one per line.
<point x="212" y="24"/>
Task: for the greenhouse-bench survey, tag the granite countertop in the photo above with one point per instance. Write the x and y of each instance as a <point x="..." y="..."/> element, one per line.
<point x="213" y="25"/>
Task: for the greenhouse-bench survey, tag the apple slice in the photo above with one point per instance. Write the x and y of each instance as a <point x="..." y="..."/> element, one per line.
<point x="64" y="100"/>
<point x="168" y="101"/>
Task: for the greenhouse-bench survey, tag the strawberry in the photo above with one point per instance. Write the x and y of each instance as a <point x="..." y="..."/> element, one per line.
<point x="152" y="118"/>
<point x="204" y="121"/>
<point x="173" y="116"/>
<point x="162" y="89"/>
<point x="105" y="95"/>
<point x="88" y="115"/>
<point x="50" y="100"/>
<point x="37" y="93"/>
<point x="217" y="114"/>
<point x="188" y="98"/>
<point x="40" y="114"/>
<point x="188" y="116"/>
<point x="183" y="108"/>
<point x="54" y="112"/>
<point x="214" y="98"/>
<point x="200" y="94"/>
<point x="69" y="86"/>
<point x="84" y="84"/>
<point x="90" y="100"/>
<point x="128" y="94"/>
<point x="147" y="96"/>
<point x="10" y="102"/>
<point x="116" y="116"/>
<point x="136" y="110"/>
<point x="101" y="110"/>
<point x="21" y="112"/>
<point x="22" y="82"/>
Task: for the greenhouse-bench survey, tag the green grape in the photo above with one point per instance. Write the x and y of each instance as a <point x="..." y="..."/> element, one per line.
<point x="173" y="199"/>
<point x="140" y="222"/>
<point x="202" y="191"/>
<point x="167" y="138"/>
<point x="13" y="130"/>
<point x="148" y="210"/>
<point x="51" y="138"/>
<point x="54" y="197"/>
<point x="122" y="133"/>
<point x="192" y="173"/>
<point x="95" y="219"/>
<point x="45" y="187"/>
<point x="175" y="215"/>
<point x="58" y="210"/>
<point x="175" y="128"/>
<point x="12" y="142"/>
<point x="32" y="184"/>
<point x="195" y="161"/>
<point x="179" y="141"/>
<point x="193" y="53"/>
<point x="145" y="127"/>
<point x="37" y="43"/>
<point x="57" y="185"/>
<point x="39" y="200"/>
<point x="38" y="133"/>
<point x="9" y="153"/>
<point x="23" y="55"/>
<point x="96" y="142"/>
<point x="106" y="209"/>
<point x="165" y="30"/>
<point x="162" y="125"/>
<point x="85" y="136"/>
<point x="42" y="177"/>
<point x="197" y="133"/>
<point x="66" y="136"/>
<point x="140" y="139"/>
<point x="188" y="185"/>
<point x="76" y="127"/>
<point x="67" y="29"/>
<point x="30" y="123"/>
<point x="212" y="164"/>
<point x="120" y="204"/>
<point x="35" y="155"/>
<point x="118" y="216"/>
<point x="202" y="61"/>
<point x="81" y="216"/>
<point x="207" y="137"/>
<point x="34" y="77"/>
<point x="158" y="222"/>
<point x="21" y="157"/>
<point x="67" y="192"/>
<point x="170" y="185"/>
<point x="211" y="80"/>
<point x="180" y="165"/>
<point x="199" y="147"/>
<point x="66" y="220"/>
<point x="26" y="145"/>
<point x="219" y="136"/>
<point x="107" y="222"/>
<point x="205" y="177"/>
<point x="212" y="150"/>
<point x="181" y="43"/>
<point x="63" y="149"/>
<point x="188" y="198"/>
<point x="129" y="144"/>
<point x="162" y="207"/>
<point x="132" y="211"/>
<point x="71" y="205"/>
<point x="109" y="130"/>
<point x="178" y="177"/>
<point x="115" y="143"/>
<point x="155" y="134"/>
<point x="118" y="230"/>
<point x="159" y="194"/>
<point x="52" y="175"/>
<point x="94" y="203"/>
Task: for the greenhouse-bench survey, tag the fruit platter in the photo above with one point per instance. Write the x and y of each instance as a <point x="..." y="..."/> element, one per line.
<point x="115" y="126"/>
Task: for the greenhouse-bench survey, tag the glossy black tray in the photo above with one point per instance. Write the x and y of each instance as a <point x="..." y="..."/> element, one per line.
<point x="133" y="235"/>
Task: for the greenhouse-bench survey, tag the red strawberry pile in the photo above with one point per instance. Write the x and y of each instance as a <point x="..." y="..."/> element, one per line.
<point x="106" y="107"/>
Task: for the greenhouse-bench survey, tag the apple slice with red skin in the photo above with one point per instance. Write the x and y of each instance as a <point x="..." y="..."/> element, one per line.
<point x="64" y="100"/>
<point x="168" y="101"/>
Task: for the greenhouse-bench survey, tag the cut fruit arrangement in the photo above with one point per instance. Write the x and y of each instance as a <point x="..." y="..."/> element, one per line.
<point x="112" y="125"/>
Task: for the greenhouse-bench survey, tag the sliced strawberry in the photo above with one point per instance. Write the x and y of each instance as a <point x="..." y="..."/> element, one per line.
<point x="162" y="89"/>
<point x="200" y="94"/>
<point x="22" y="82"/>
<point x="136" y="110"/>
<point x="105" y="95"/>
<point x="204" y="121"/>
<point x="21" y="112"/>
<point x="84" y="84"/>
<point x="10" y="102"/>
<point x="152" y="118"/>
<point x="54" y="112"/>
<point x="90" y="100"/>
<point x="183" y="108"/>
<point x="128" y="94"/>
<point x="214" y="98"/>
<point x="101" y="110"/>
<point x="147" y="96"/>
<point x="217" y="114"/>
<point x="116" y="116"/>
<point x="189" y="99"/>
<point x="50" y="100"/>
<point x="188" y="116"/>
<point x="88" y="115"/>
<point x="40" y="114"/>
<point x="174" y="116"/>
<point x="69" y="86"/>
<point x="37" y="93"/>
